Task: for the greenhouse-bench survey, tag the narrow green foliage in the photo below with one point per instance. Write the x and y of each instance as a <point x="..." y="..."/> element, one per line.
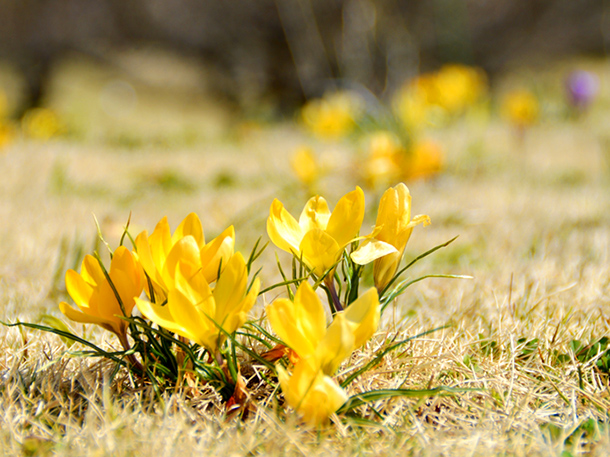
<point x="114" y="290"/>
<point x="414" y="261"/>
<point x="381" y="353"/>
<point x="114" y="356"/>
<point x="255" y="253"/>
<point x="382" y="394"/>
<point x="402" y="287"/>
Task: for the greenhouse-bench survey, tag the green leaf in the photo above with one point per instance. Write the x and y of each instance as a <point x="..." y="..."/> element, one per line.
<point x="255" y="254"/>
<point x="382" y="394"/>
<point x="400" y="288"/>
<point x="66" y="334"/>
<point x="382" y="353"/>
<point x="415" y="260"/>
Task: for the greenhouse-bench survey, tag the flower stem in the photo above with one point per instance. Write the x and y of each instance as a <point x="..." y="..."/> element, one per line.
<point x="329" y="282"/>
<point x="131" y="358"/>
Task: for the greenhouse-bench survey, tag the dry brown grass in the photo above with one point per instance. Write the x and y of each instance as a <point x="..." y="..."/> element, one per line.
<point x="534" y="226"/>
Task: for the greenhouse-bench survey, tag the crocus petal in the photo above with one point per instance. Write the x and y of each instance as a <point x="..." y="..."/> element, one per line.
<point x="371" y="249"/>
<point x="240" y="316"/>
<point x="314" y="215"/>
<point x="162" y="316"/>
<point x="346" y="219"/>
<point x="126" y="276"/>
<point x="217" y="252"/>
<point x="302" y="324"/>
<point x="384" y="269"/>
<point x="283" y="229"/>
<point x="191" y="225"/>
<point x="312" y="394"/>
<point x="97" y="300"/>
<point x="326" y="397"/>
<point x="91" y="271"/>
<point x="363" y="315"/>
<point x="79" y="316"/>
<point x="187" y="316"/>
<point x="142" y="245"/>
<point x="78" y="288"/>
<point x="320" y="251"/>
<point x="160" y="243"/>
<point x="186" y="252"/>
<point x="337" y="345"/>
<point x="393" y="215"/>
<point x="283" y="377"/>
<point x="230" y="287"/>
<point x="420" y="219"/>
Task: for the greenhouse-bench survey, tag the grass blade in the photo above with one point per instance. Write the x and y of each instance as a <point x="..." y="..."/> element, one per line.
<point x="376" y="395"/>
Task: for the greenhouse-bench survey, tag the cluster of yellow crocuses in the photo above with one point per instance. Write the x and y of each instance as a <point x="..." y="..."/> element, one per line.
<point x="200" y="291"/>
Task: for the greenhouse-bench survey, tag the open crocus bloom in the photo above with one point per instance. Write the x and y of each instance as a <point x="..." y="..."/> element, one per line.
<point x="319" y="237"/>
<point x="95" y="297"/>
<point x="196" y="311"/>
<point x="392" y="231"/>
<point x="312" y="393"/>
<point x="160" y="252"/>
<point x="302" y="326"/>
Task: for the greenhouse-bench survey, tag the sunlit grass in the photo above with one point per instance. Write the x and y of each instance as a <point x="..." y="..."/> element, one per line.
<point x="534" y="232"/>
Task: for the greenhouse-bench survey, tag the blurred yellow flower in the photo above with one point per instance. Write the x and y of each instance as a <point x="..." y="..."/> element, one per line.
<point x="458" y="87"/>
<point x="520" y="107"/>
<point x="389" y="161"/>
<point x="305" y="165"/>
<point x="382" y="166"/>
<point x="412" y="107"/>
<point x="313" y="394"/>
<point x="196" y="311"/>
<point x="97" y="299"/>
<point x="425" y="159"/>
<point x="42" y="123"/>
<point x="393" y="227"/>
<point x="332" y="116"/>
<point x="319" y="237"/>
<point x="7" y="133"/>
<point x="431" y="97"/>
<point x="160" y="252"/>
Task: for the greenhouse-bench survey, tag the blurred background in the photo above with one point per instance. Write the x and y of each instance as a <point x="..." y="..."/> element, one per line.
<point x="269" y="56"/>
<point x="495" y="114"/>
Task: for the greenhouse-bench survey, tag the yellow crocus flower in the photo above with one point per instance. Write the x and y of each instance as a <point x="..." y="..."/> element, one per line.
<point x="520" y="107"/>
<point x="332" y="116"/>
<point x="302" y="326"/>
<point x="392" y="231"/>
<point x="7" y="133"/>
<point x="412" y="107"/>
<point x="305" y="165"/>
<point x="313" y="394"/>
<point x="42" y="123"/>
<point x="160" y="252"/>
<point x="384" y="153"/>
<point x="459" y="86"/>
<point x="196" y="311"/>
<point x="319" y="237"/>
<point x="425" y="159"/>
<point x="95" y="297"/>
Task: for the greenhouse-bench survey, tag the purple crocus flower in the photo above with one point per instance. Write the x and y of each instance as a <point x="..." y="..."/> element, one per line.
<point x="582" y="87"/>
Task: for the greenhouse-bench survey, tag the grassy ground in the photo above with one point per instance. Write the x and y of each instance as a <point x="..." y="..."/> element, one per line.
<point x="534" y="225"/>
